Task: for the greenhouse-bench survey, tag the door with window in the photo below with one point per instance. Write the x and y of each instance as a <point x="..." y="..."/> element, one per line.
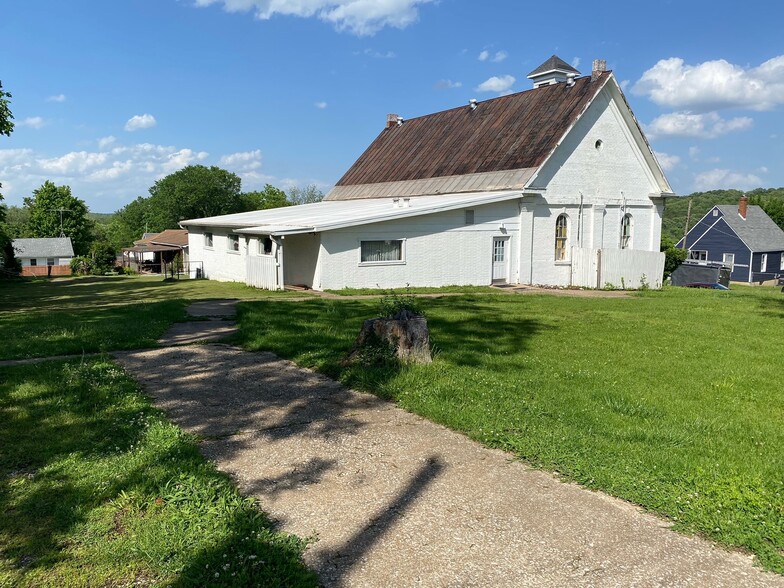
<point x="500" y="259"/>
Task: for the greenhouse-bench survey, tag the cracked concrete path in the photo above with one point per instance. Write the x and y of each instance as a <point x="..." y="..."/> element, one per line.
<point x="395" y="500"/>
<point x="217" y="322"/>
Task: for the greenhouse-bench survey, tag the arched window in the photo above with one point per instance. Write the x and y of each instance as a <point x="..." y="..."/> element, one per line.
<point x="561" y="237"/>
<point x="627" y="224"/>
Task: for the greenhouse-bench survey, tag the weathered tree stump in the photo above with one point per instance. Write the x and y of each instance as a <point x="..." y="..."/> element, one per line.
<point x="405" y="334"/>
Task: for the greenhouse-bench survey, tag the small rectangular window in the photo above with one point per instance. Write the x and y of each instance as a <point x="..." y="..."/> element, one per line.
<point x="764" y="262"/>
<point x="265" y="246"/>
<point x="469" y="217"/>
<point x="33" y="262"/>
<point x="381" y="251"/>
<point x="715" y="212"/>
<point x="208" y="239"/>
<point x="697" y="255"/>
<point x="50" y="261"/>
<point x="728" y="260"/>
<point x="233" y="242"/>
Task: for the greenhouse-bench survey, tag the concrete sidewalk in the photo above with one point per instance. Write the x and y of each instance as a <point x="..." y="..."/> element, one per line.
<point x="395" y="500"/>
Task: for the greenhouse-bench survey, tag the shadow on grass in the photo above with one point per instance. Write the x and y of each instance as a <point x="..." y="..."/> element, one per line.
<point x="77" y="447"/>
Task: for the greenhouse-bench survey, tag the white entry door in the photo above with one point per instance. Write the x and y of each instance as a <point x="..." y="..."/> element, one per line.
<point x="500" y="259"/>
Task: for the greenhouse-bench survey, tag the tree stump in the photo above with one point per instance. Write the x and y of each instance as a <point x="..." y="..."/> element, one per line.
<point x="405" y="334"/>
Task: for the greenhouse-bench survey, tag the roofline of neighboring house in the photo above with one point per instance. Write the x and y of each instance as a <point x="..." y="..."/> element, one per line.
<point x="686" y="236"/>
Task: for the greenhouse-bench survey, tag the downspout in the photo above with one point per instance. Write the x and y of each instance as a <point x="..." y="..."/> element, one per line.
<point x="279" y="261"/>
<point x="620" y="225"/>
<point x="580" y="221"/>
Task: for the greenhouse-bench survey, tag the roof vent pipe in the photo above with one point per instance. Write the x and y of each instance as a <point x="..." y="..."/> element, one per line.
<point x="399" y="120"/>
<point x="472" y="103"/>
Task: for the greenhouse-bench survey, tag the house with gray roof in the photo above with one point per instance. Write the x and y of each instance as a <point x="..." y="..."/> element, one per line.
<point x="556" y="185"/>
<point x="742" y="238"/>
<point x="44" y="256"/>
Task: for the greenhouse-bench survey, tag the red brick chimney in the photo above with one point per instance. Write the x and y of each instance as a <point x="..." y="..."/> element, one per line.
<point x="743" y="205"/>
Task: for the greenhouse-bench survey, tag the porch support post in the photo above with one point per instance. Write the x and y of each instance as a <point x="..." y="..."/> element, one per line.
<point x="279" y="259"/>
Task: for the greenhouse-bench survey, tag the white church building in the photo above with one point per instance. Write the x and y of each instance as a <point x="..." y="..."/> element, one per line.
<point x="554" y="186"/>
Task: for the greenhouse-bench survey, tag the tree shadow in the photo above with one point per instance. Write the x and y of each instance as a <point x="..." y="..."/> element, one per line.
<point x="334" y="565"/>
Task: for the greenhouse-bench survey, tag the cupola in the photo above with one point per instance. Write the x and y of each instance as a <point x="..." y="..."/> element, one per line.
<point x="553" y="71"/>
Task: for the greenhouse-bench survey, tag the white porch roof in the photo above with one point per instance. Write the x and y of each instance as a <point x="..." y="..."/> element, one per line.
<point x="339" y="214"/>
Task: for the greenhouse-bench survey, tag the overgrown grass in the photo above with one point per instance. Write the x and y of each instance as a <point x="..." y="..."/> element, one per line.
<point x="98" y="489"/>
<point x="40" y="318"/>
<point x="670" y="399"/>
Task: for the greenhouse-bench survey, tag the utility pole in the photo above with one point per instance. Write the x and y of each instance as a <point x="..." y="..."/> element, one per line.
<point x="61" y="211"/>
<point x="686" y="228"/>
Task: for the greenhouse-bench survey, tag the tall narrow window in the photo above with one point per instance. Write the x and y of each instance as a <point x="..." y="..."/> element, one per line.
<point x="627" y="224"/>
<point x="561" y="236"/>
<point x="469" y="217"/>
<point x="233" y="242"/>
<point x="728" y="260"/>
<point x="265" y="246"/>
<point x="208" y="239"/>
<point x="764" y="262"/>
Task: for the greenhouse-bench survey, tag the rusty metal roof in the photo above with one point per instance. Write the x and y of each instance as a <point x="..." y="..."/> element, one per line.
<point x="511" y="132"/>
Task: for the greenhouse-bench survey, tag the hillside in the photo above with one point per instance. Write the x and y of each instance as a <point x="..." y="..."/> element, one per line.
<point x="771" y="199"/>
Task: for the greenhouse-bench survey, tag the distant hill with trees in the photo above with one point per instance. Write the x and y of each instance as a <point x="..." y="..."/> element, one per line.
<point x="770" y="199"/>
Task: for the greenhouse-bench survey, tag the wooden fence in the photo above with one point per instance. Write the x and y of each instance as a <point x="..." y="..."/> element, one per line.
<point x="627" y="269"/>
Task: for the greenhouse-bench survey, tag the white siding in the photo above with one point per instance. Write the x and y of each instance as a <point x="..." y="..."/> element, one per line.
<point x="300" y="259"/>
<point x="439" y="250"/>
<point x="219" y="263"/>
<point x="610" y="181"/>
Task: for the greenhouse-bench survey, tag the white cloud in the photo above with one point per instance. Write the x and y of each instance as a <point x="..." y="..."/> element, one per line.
<point x="694" y="153"/>
<point x="687" y="124"/>
<point x="377" y="54"/>
<point x="496" y="57"/>
<point x="140" y="121"/>
<point x="56" y="98"/>
<point x="447" y="85"/>
<point x="723" y="178"/>
<point x="576" y="63"/>
<point x="359" y="17"/>
<point x="104" y="142"/>
<point x="320" y="105"/>
<point x="120" y="173"/>
<point x="34" y="122"/>
<point x="243" y="160"/>
<point x="498" y="84"/>
<point x="667" y="161"/>
<point x="713" y="85"/>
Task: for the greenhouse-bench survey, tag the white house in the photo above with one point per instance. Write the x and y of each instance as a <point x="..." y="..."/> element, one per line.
<point x="44" y="256"/>
<point x="556" y="185"/>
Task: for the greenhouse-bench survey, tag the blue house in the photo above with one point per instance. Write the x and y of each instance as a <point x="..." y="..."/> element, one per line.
<point x="743" y="238"/>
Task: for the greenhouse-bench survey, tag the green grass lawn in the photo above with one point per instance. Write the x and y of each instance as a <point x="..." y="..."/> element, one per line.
<point x="670" y="399"/>
<point x="98" y="489"/>
<point x="40" y="318"/>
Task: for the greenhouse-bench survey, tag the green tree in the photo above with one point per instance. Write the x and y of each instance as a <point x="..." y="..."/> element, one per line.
<point x="269" y="197"/>
<point x="673" y="256"/>
<point x="195" y="191"/>
<point x="7" y="259"/>
<point x="6" y="126"/>
<point x="128" y="224"/>
<point x="306" y="195"/>
<point x="55" y="211"/>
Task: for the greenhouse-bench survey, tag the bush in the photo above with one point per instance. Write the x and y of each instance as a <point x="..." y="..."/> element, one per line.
<point x="673" y="256"/>
<point x="392" y="304"/>
<point x="81" y="265"/>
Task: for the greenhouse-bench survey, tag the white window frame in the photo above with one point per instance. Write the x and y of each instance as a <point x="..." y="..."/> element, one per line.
<point x="698" y="255"/>
<point x="34" y="261"/>
<point x="401" y="261"/>
<point x="764" y="263"/>
<point x="208" y="240"/>
<point x="728" y="260"/>
<point x="231" y="239"/>
<point x="781" y="263"/>
<point x="627" y="231"/>
<point x="563" y="238"/>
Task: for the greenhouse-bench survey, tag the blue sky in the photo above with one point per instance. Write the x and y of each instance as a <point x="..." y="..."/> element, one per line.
<point x="109" y="96"/>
